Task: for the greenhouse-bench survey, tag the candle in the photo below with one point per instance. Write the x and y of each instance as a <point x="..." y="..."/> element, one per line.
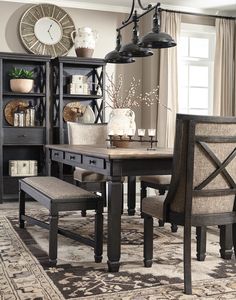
<point x="120" y="132"/>
<point x="151" y="132"/>
<point x="141" y="132"/>
<point x="131" y="132"/>
<point x="111" y="132"/>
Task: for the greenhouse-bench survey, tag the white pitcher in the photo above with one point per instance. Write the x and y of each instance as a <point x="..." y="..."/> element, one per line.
<point x="84" y="41"/>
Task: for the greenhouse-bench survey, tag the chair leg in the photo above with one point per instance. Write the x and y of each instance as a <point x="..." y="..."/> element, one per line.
<point x="131" y="195"/>
<point x="53" y="229"/>
<point x="148" y="240"/>
<point x="201" y="242"/>
<point x="226" y="243"/>
<point x="83" y="213"/>
<point x="234" y="237"/>
<point x="143" y="195"/>
<point x="187" y="260"/>
<point x="98" y="248"/>
<point x="160" y="222"/>
<point x="21" y="208"/>
<point x="104" y="192"/>
<point x="174" y="227"/>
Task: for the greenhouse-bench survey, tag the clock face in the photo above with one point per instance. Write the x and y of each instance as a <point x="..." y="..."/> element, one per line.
<point x="46" y="29"/>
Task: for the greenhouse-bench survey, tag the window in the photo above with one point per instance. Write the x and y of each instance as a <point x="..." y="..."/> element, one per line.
<point x="196" y="58"/>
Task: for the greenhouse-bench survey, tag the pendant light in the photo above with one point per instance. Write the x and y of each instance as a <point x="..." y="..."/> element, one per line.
<point x="157" y="39"/>
<point x="115" y="57"/>
<point x="153" y="40"/>
<point x="133" y="49"/>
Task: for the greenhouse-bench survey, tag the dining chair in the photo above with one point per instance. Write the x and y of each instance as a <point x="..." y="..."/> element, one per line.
<point x="88" y="134"/>
<point x="160" y="183"/>
<point x="202" y="188"/>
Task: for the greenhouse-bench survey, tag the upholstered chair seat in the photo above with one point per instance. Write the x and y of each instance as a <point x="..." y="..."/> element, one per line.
<point x="157" y="179"/>
<point x="83" y="175"/>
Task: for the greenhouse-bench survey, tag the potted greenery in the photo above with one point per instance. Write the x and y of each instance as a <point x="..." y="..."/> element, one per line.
<point x="21" y="80"/>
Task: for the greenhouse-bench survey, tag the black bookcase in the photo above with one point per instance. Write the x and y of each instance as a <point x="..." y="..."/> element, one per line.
<point x="23" y="143"/>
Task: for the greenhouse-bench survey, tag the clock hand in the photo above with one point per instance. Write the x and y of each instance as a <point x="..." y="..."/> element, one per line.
<point x="49" y="27"/>
<point x="50" y="35"/>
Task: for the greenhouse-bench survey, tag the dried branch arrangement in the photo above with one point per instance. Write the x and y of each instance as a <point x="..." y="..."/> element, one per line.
<point x="132" y="98"/>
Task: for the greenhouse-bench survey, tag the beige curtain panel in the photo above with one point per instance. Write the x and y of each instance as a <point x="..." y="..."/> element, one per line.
<point x="224" y="70"/>
<point x="168" y="93"/>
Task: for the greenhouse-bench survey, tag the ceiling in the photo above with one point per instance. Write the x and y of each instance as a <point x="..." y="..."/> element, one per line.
<point x="208" y="6"/>
<point x="200" y="4"/>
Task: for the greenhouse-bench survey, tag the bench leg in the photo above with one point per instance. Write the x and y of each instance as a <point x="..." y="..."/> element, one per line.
<point x="21" y="208"/>
<point x="53" y="229"/>
<point x="98" y="248"/>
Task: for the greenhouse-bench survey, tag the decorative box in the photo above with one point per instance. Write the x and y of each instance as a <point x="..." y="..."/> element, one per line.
<point x="23" y="168"/>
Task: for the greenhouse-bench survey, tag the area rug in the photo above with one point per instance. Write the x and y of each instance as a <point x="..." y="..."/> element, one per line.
<point x="25" y="273"/>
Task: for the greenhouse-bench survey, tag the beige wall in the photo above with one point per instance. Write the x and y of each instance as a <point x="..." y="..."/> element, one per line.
<point x="104" y="22"/>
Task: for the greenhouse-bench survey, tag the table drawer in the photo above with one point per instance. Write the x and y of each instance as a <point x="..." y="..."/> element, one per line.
<point x="24" y="136"/>
<point x="72" y="157"/>
<point x="98" y="163"/>
<point x="57" y="155"/>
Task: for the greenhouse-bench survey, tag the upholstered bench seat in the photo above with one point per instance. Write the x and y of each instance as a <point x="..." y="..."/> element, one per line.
<point x="58" y="195"/>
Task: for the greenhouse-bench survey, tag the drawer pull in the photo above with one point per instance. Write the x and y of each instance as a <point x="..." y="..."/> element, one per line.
<point x="56" y="154"/>
<point x="92" y="162"/>
<point x="21" y="135"/>
<point x="72" y="157"/>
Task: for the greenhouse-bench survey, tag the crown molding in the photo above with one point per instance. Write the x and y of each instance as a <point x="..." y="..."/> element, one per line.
<point x="77" y="4"/>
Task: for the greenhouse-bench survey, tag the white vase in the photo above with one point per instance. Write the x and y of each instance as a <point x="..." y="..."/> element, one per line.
<point x="121" y="122"/>
<point x="84" y="41"/>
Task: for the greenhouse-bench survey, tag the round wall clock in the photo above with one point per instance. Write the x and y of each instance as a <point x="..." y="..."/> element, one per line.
<point x="46" y="29"/>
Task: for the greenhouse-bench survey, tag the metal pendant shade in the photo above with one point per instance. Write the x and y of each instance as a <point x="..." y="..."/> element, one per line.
<point x="114" y="56"/>
<point x="133" y="50"/>
<point x="157" y="39"/>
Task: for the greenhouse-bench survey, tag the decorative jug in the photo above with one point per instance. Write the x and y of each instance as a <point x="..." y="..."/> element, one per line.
<point x="84" y="41"/>
<point x="121" y="122"/>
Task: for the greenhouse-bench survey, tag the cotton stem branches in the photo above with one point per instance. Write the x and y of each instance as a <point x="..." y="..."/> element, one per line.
<point x="130" y="98"/>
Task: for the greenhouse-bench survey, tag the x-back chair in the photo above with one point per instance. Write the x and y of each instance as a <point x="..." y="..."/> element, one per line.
<point x="202" y="189"/>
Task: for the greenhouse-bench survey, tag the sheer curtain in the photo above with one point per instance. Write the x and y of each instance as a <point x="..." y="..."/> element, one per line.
<point x="168" y="83"/>
<point x="224" y="71"/>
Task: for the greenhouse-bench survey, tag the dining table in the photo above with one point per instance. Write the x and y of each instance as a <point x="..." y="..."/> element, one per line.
<point x="115" y="163"/>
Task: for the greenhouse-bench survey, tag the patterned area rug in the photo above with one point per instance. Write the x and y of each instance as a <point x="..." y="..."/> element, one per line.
<point x="25" y="273"/>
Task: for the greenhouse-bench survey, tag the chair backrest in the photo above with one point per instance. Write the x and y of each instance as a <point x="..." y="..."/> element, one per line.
<point x="86" y="134"/>
<point x="204" y="165"/>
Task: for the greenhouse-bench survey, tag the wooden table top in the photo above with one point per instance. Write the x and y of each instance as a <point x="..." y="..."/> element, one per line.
<point x="116" y="153"/>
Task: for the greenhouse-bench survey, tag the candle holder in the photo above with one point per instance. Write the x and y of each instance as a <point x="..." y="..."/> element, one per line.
<point x="118" y="138"/>
<point x="151" y="134"/>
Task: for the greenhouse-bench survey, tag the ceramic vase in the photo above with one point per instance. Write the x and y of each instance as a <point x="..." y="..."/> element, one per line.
<point x="121" y="123"/>
<point x="84" y="41"/>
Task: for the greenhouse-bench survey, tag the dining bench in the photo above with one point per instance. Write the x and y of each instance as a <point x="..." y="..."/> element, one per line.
<point x="59" y="196"/>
